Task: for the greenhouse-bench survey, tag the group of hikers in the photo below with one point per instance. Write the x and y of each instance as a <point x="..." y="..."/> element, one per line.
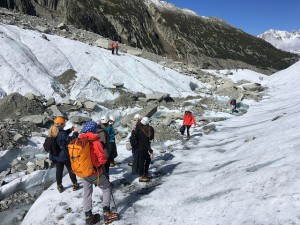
<point x="102" y="153"/>
<point x="114" y="45"/>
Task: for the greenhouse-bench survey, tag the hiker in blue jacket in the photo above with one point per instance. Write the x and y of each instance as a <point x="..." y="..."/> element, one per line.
<point x="112" y="142"/>
<point x="62" y="159"/>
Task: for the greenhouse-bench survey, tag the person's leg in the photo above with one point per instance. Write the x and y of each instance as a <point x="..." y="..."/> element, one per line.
<point x="90" y="218"/>
<point x="188" y="131"/>
<point x="71" y="173"/>
<point x="87" y="195"/>
<point x="106" y="167"/>
<point x="147" y="164"/>
<point x="105" y="186"/>
<point x="59" y="172"/>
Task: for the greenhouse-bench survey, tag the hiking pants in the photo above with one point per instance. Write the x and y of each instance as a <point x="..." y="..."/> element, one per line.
<point x="60" y="170"/>
<point x="103" y="184"/>
<point x="188" y="130"/>
<point x="144" y="165"/>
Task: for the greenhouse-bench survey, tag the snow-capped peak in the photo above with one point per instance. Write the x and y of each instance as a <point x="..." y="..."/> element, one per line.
<point x="284" y="40"/>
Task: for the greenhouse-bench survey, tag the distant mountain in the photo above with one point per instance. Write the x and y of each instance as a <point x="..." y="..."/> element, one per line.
<point x="164" y="29"/>
<point x="284" y="40"/>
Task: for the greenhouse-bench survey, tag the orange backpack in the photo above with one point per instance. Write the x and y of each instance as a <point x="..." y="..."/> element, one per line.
<point x="80" y="157"/>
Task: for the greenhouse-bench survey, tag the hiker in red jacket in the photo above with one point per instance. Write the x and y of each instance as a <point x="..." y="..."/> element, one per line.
<point x="188" y="120"/>
<point x="112" y="46"/>
<point x="99" y="178"/>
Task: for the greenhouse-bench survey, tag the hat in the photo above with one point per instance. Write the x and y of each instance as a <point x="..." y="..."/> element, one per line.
<point x="111" y="118"/>
<point x="90" y="126"/>
<point x="59" y="120"/>
<point x="145" y="120"/>
<point x="104" y="119"/>
<point x="137" y="117"/>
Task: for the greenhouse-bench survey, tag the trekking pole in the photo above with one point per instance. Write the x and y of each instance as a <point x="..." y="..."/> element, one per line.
<point x="112" y="196"/>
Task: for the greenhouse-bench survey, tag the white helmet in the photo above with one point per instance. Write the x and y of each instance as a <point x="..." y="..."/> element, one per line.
<point x="137" y="117"/>
<point x="111" y="118"/>
<point x="104" y="119"/>
<point x="145" y="120"/>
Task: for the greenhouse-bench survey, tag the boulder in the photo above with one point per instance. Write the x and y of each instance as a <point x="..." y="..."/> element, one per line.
<point x="43" y="29"/>
<point x="39" y="120"/>
<point x="89" y="105"/>
<point x="135" y="51"/>
<point x="79" y="119"/>
<point x="157" y="96"/>
<point x="103" y="43"/>
<point x="254" y="87"/>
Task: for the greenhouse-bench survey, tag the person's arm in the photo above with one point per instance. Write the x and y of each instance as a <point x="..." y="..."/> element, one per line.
<point x="194" y="121"/>
<point x="99" y="152"/>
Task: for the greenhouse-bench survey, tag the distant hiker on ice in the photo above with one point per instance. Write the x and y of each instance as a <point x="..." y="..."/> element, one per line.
<point x="233" y="105"/>
<point x="137" y="121"/>
<point x="112" y="47"/>
<point x="188" y="121"/>
<point x="62" y="158"/>
<point x="144" y="153"/>
<point x="116" y="45"/>
<point x="112" y="142"/>
<point x="98" y="178"/>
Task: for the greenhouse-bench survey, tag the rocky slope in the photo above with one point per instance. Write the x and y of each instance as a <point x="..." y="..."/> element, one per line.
<point x="164" y="29"/>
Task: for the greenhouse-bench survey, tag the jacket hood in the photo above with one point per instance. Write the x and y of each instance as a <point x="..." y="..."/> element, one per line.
<point x="90" y="136"/>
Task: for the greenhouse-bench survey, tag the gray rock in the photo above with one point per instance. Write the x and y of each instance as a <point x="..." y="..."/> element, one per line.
<point x="89" y="105"/>
<point x="254" y="87"/>
<point x="30" y="96"/>
<point x="158" y="96"/>
<point x="103" y="43"/>
<point x="43" y="29"/>
<point x="39" y="120"/>
<point x="79" y="119"/>
<point x="56" y="111"/>
<point x="51" y="101"/>
<point x="118" y="85"/>
<point x="209" y="128"/>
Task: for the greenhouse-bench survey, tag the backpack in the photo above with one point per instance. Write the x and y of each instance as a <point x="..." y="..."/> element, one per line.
<point x="80" y="157"/>
<point x="182" y="129"/>
<point x="51" y="146"/>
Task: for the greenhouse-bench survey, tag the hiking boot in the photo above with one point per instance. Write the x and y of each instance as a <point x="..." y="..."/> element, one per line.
<point x="60" y="188"/>
<point x="144" y="179"/>
<point x="75" y="186"/>
<point x="188" y="138"/>
<point x="92" y="218"/>
<point x="147" y="175"/>
<point x="108" y="216"/>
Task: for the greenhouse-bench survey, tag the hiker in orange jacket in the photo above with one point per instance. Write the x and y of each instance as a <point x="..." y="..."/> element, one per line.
<point x="98" y="178"/>
<point x="188" y="120"/>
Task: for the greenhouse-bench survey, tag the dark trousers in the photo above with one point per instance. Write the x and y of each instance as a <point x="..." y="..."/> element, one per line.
<point x="106" y="167"/>
<point x="112" y="50"/>
<point x="188" y="130"/>
<point x="144" y="166"/>
<point x="60" y="170"/>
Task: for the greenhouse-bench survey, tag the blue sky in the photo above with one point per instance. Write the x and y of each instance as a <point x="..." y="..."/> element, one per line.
<point x="252" y="16"/>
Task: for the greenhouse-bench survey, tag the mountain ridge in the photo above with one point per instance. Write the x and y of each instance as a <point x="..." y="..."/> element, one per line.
<point x="179" y="34"/>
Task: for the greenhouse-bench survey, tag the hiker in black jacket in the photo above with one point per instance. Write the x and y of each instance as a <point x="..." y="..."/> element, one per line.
<point x="62" y="159"/>
<point x="144" y="153"/>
